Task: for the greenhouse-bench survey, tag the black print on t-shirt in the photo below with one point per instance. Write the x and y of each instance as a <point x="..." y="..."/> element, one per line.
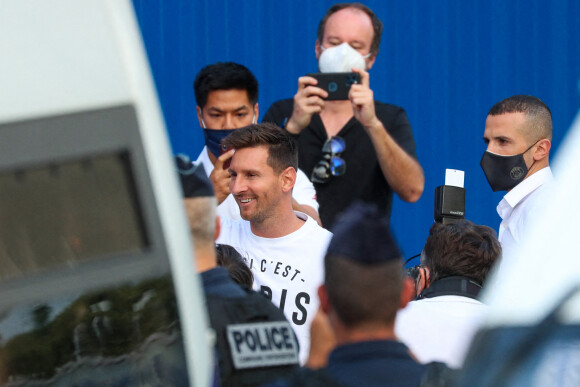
<point x="277" y="267"/>
<point x="298" y="318"/>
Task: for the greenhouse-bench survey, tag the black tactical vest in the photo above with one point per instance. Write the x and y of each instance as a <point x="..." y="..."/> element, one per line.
<point x="255" y="343"/>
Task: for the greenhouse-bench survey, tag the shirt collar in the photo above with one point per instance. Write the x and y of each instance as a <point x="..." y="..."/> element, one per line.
<point x="217" y="281"/>
<point x="214" y="275"/>
<point x="523" y="189"/>
<point x="353" y="352"/>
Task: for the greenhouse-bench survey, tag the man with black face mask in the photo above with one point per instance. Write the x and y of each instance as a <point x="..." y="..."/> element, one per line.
<point x="518" y="134"/>
<point x="227" y="99"/>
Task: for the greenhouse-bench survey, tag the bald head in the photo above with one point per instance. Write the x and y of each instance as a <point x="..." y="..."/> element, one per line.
<point x="538" y="118"/>
<point x="377" y="25"/>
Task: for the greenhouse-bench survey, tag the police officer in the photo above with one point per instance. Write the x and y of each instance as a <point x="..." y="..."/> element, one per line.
<point x="255" y="342"/>
<point x="362" y="292"/>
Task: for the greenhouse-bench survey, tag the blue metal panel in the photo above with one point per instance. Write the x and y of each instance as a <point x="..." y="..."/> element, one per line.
<point x="445" y="62"/>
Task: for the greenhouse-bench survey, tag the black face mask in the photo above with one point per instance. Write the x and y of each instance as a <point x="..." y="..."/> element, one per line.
<point x="213" y="138"/>
<point x="504" y="172"/>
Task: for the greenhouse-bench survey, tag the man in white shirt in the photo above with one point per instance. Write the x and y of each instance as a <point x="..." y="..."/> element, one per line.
<point x="227" y="99"/>
<point x="283" y="248"/>
<point x="455" y="262"/>
<point x="518" y="134"/>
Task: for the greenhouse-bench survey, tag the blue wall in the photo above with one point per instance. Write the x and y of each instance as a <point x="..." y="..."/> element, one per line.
<point x="445" y="62"/>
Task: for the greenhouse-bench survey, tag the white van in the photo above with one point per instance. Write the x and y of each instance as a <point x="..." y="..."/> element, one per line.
<point x="97" y="284"/>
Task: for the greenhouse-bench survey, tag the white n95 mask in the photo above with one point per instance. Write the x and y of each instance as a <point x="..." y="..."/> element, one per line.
<point x="341" y="59"/>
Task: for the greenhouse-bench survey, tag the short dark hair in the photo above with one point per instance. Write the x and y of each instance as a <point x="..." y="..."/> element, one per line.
<point x="377" y="24"/>
<point x="229" y="258"/>
<point x="282" y="148"/>
<point x="536" y="111"/>
<point x="461" y="249"/>
<point x="224" y="76"/>
<point x="362" y="293"/>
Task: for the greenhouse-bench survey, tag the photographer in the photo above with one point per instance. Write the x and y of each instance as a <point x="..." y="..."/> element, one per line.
<point x="378" y="146"/>
<point x="455" y="262"/>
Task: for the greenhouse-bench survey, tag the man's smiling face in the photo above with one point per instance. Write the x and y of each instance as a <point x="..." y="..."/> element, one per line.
<point x="255" y="185"/>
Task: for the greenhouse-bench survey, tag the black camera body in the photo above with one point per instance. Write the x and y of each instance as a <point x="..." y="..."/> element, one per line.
<point x="449" y="204"/>
<point x="337" y="85"/>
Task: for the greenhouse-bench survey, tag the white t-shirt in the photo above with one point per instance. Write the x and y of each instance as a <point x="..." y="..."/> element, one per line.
<point x="290" y="269"/>
<point x="303" y="191"/>
<point x="440" y="328"/>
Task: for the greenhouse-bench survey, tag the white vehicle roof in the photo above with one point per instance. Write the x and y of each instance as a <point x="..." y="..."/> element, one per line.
<point x="63" y="57"/>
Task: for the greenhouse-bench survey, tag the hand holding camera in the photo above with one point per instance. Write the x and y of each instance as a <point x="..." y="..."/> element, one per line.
<point x="308" y="100"/>
<point x="336" y="85"/>
<point x="363" y="102"/>
<point x="313" y="90"/>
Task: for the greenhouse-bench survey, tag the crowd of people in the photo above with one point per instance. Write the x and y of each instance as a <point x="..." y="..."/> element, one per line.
<point x="306" y="285"/>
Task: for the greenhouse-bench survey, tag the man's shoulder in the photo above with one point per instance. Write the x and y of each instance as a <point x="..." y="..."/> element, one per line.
<point x="284" y="102"/>
<point x="251" y="299"/>
<point x="377" y="362"/>
<point x="388" y="106"/>
<point x="419" y="311"/>
<point x="441" y="301"/>
<point x="306" y="377"/>
<point x="232" y="230"/>
<point x="388" y="109"/>
<point x="396" y="122"/>
<point x="312" y="228"/>
<point x="279" y="110"/>
<point x="216" y="282"/>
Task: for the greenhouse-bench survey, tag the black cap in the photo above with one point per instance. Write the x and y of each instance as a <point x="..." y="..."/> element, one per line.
<point x="362" y="234"/>
<point x="194" y="180"/>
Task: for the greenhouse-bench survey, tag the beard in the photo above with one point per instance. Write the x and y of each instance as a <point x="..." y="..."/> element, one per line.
<point x="260" y="214"/>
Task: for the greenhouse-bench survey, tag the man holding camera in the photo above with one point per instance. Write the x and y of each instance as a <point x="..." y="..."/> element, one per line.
<point x="378" y="148"/>
<point x="455" y="262"/>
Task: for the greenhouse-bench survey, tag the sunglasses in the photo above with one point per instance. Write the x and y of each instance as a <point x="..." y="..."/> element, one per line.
<point x="330" y="164"/>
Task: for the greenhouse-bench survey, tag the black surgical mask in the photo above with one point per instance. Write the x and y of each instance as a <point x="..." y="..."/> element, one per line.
<point x="504" y="172"/>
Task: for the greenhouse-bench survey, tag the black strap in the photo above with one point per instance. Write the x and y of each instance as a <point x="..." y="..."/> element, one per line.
<point x="452" y="286"/>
